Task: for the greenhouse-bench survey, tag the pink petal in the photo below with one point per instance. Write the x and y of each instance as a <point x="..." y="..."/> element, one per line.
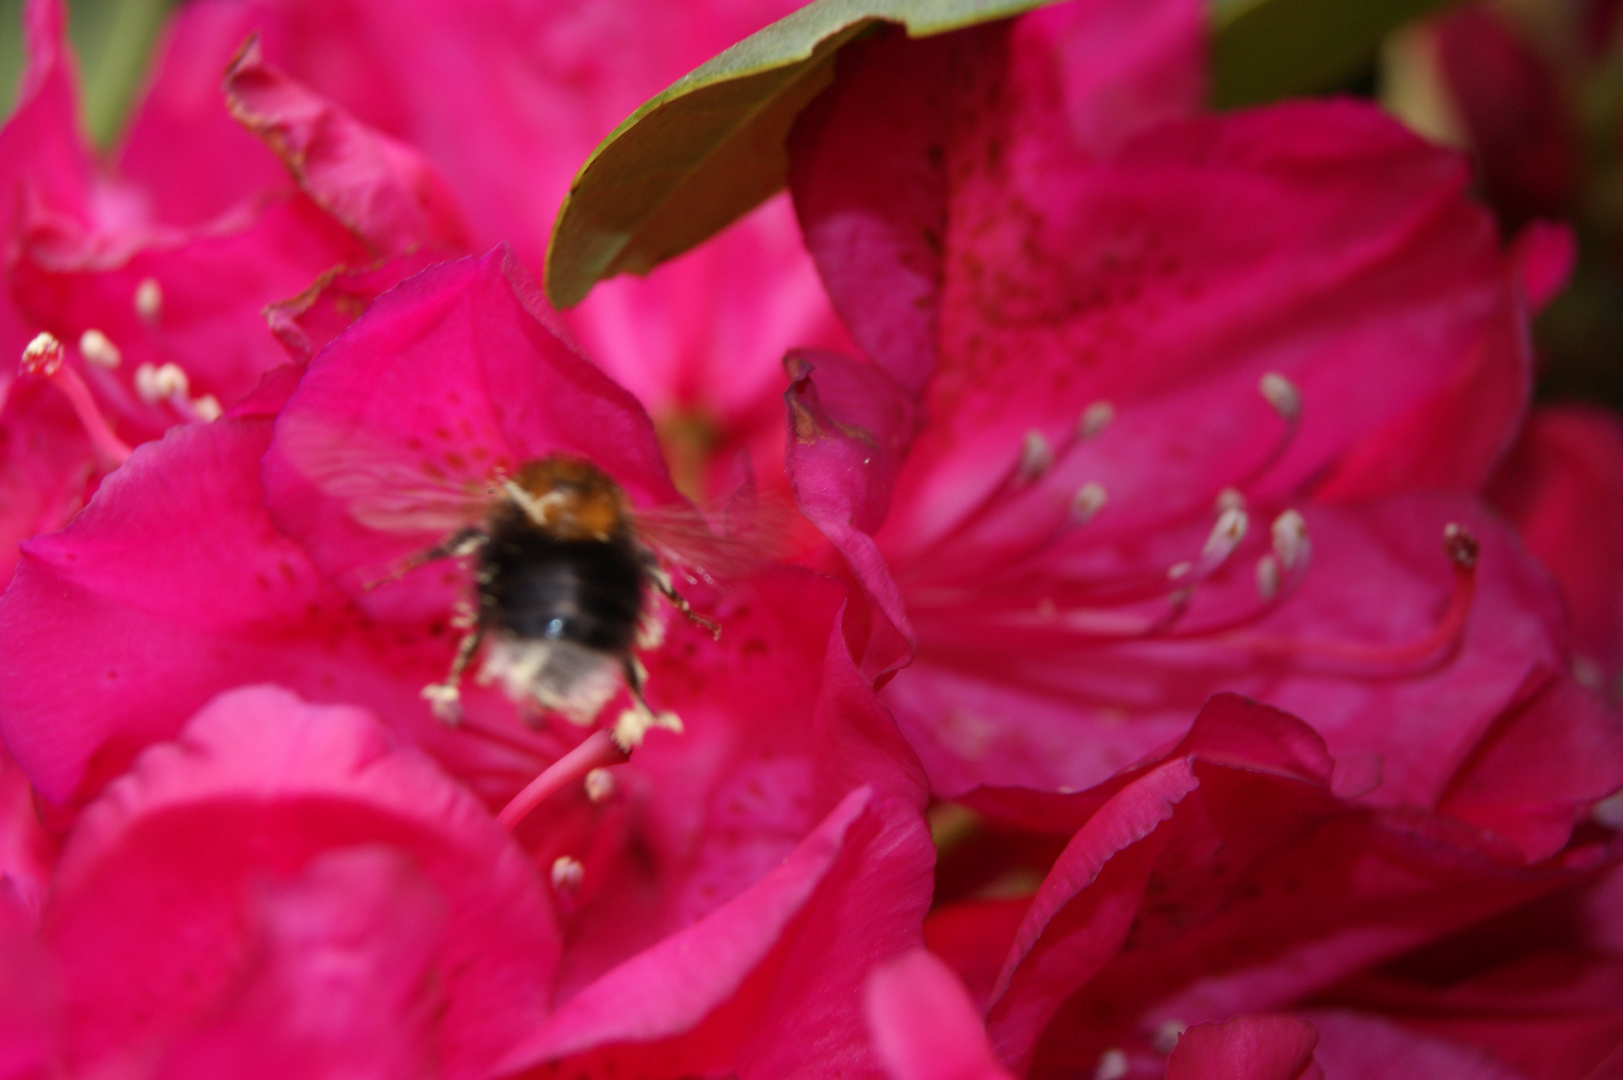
<point x="924" y="1025"/>
<point x="1546" y="252"/>
<point x="705" y="815"/>
<point x="342" y="981"/>
<point x="381" y="189"/>
<point x="1123" y="67"/>
<point x="1008" y="710"/>
<point x="1536" y="774"/>
<point x="1226" y="878"/>
<point x="875" y="222"/>
<point x="213" y="282"/>
<point x="186" y="154"/>
<point x="30" y="994"/>
<point x="1563" y="490"/>
<point x="701" y="341"/>
<point x="1359" y="1047"/>
<point x="27" y="854"/>
<point x="506" y="130"/>
<point x="1060" y="945"/>
<point x="1256" y="1047"/>
<point x="753" y="984"/>
<point x="1165" y="278"/>
<point x="46" y="466"/>
<point x="305" y="324"/>
<point x="1517" y="115"/>
<point x="1458" y="436"/>
<point x="872" y="184"/>
<point x="153" y="915"/>
<point x="176" y="570"/>
<point x="1539" y="988"/>
<point x="851" y="425"/>
<point x="452" y="375"/>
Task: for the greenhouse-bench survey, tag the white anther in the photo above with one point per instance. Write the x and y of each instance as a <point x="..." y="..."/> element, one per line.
<point x="1267" y="577"/>
<point x="1289" y="533"/>
<point x="1112" y="1065"/>
<point x="1179" y="570"/>
<point x="1228" y="499"/>
<point x="1095" y="418"/>
<point x="161" y="383"/>
<point x="1282" y="395"/>
<point x="207" y="408"/>
<point x="99" y="349"/>
<point x="567" y="873"/>
<point x="599" y="785"/>
<point x="633" y="725"/>
<point x="149" y="299"/>
<point x="42" y="356"/>
<point x="1036" y="456"/>
<point x="1226" y="535"/>
<point x="1165" y="1039"/>
<point x="1090" y="498"/>
<point x="445" y="702"/>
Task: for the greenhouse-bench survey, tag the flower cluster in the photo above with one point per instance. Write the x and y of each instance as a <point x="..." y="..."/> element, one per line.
<point x="1194" y="659"/>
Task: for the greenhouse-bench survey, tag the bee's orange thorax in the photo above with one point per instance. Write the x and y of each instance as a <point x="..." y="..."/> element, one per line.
<point x="576" y="499"/>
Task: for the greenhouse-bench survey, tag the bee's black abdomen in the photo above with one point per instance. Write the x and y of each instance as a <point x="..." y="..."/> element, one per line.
<point x="586" y="591"/>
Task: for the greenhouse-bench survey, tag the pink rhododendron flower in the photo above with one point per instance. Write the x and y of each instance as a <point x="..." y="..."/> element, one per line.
<point x="286" y="888"/>
<point x="1514" y="112"/>
<point x="1157" y="406"/>
<point x="160" y="271"/>
<point x="752" y="867"/>
<point x="281" y="889"/>
<point x="1224" y="878"/>
<point x="699" y="341"/>
<point x="1162" y="408"/>
<point x="159" y="322"/>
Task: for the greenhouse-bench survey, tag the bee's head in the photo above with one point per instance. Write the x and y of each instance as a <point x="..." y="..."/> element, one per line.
<point x="572" y="499"/>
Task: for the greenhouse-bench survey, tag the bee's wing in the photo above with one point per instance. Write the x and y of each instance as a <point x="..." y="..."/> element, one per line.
<point x="391" y="495"/>
<point x="679" y="534"/>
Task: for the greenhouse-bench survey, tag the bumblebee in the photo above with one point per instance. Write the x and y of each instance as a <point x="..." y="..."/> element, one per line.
<point x="562" y="583"/>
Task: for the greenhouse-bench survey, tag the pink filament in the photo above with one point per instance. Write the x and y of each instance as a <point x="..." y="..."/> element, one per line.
<point x="78" y="394"/>
<point x="1442" y="636"/>
<point x="598" y="750"/>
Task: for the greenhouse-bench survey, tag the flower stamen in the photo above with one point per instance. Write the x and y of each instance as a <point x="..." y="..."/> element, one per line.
<point x="98" y="349"/>
<point x="599" y="750"/>
<point x="148" y="300"/>
<point x="567" y="874"/>
<point x="1462" y="550"/>
<point x="43" y="358"/>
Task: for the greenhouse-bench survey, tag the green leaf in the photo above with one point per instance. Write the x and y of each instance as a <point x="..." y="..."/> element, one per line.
<point x="1263" y="50"/>
<point x="711" y="147"/>
<point x="113" y="41"/>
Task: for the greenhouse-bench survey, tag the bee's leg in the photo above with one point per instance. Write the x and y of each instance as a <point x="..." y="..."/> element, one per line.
<point x="662" y="582"/>
<point x="462" y="542"/>
<point x="638" y="720"/>
<point x="445" y="699"/>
